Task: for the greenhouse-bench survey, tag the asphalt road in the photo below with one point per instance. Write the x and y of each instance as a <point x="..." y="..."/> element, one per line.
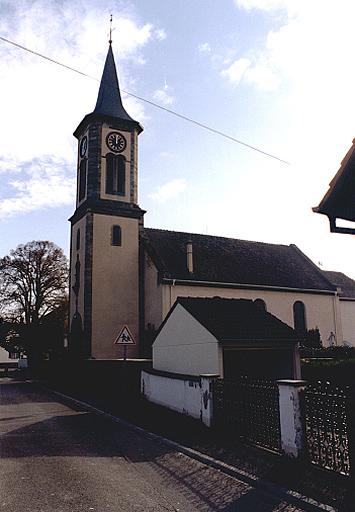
<point x="59" y="458"/>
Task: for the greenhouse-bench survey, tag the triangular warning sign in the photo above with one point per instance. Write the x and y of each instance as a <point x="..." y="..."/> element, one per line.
<point x="125" y="337"/>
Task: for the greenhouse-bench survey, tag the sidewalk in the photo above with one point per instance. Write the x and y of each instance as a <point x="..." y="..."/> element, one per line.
<point x="317" y="484"/>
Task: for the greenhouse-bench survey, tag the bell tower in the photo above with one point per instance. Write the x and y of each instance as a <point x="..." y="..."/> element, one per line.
<point x="104" y="255"/>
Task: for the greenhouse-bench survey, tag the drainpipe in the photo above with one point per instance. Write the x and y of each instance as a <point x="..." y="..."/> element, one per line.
<point x="337" y="314"/>
<point x="170" y="289"/>
<point x="189" y="257"/>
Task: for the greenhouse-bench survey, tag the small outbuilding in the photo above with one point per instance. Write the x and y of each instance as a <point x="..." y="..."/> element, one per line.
<point x="225" y="337"/>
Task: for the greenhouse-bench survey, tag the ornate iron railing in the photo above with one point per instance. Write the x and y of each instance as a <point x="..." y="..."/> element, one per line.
<point x="248" y="408"/>
<point x="328" y="423"/>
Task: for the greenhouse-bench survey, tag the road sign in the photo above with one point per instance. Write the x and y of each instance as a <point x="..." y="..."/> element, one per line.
<point x="125" y="337"/>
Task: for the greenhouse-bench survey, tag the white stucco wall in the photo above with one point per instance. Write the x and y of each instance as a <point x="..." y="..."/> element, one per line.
<point x="4" y="357"/>
<point x="347" y="313"/>
<point x="177" y="394"/>
<point x="114" y="286"/>
<point x="153" y="303"/>
<point x="185" y="346"/>
<point x="321" y="310"/>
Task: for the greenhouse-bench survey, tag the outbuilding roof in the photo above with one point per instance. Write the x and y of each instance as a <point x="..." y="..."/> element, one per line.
<point x="345" y="284"/>
<point x="237" y="319"/>
<point x="227" y="260"/>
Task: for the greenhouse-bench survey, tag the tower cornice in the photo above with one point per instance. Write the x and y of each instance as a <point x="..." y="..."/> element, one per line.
<point x="107" y="207"/>
<point x="102" y="118"/>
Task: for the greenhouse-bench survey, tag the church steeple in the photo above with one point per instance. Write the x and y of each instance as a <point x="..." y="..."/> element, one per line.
<point x="104" y="294"/>
<point x="109" y="100"/>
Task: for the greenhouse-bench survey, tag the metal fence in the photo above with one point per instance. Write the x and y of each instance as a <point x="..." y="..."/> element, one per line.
<point x="328" y="412"/>
<point x="248" y="408"/>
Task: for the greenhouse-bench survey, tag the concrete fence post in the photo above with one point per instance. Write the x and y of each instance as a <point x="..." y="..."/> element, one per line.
<point x="206" y="382"/>
<point x="292" y="422"/>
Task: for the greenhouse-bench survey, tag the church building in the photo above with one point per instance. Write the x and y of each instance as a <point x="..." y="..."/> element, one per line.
<point x="125" y="278"/>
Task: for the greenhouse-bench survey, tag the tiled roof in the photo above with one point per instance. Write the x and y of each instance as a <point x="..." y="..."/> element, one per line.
<point x="228" y="260"/>
<point x="342" y="281"/>
<point x="237" y="319"/>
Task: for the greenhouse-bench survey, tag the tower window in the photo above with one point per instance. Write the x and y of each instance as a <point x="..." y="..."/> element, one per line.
<point x="78" y="240"/>
<point x="115" y="174"/>
<point x="82" y="179"/>
<point x="116" y="235"/>
<point x="299" y="317"/>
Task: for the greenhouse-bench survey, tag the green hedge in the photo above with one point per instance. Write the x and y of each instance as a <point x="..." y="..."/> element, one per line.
<point x="340" y="371"/>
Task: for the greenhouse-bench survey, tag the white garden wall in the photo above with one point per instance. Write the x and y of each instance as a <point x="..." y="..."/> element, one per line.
<point x="186" y="394"/>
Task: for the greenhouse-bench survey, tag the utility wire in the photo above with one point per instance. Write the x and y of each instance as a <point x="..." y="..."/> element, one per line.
<point x="45" y="57"/>
<point x="140" y="98"/>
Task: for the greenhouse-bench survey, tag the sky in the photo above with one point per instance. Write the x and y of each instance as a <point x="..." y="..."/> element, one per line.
<point x="275" y="74"/>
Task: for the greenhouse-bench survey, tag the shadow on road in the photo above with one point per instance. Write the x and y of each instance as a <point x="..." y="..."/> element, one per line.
<point x="56" y="430"/>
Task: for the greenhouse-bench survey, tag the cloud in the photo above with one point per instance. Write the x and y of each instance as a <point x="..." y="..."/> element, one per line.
<point x="160" y="34"/>
<point x="237" y="70"/>
<point x="130" y="36"/>
<point x="47" y="92"/>
<point x="162" y="96"/>
<point x="166" y="154"/>
<point x="306" y="57"/>
<point x="204" y="48"/>
<point x="9" y="165"/>
<point x="41" y="103"/>
<point x="309" y="49"/>
<point x="45" y="183"/>
<point x="169" y="190"/>
<point x="260" y="73"/>
<point x="266" y="5"/>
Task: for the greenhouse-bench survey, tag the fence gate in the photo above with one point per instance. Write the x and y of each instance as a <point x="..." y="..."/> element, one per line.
<point x="328" y="411"/>
<point x="248" y="408"/>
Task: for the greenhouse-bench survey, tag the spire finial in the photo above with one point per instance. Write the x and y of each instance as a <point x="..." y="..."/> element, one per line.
<point x="110" y="40"/>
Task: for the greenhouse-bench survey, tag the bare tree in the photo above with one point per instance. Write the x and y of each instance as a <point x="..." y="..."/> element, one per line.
<point x="33" y="281"/>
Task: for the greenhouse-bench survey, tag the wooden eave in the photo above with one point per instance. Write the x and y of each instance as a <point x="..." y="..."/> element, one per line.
<point x="339" y="201"/>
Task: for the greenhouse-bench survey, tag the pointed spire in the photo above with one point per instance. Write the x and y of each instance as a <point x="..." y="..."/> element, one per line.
<point x="109" y="100"/>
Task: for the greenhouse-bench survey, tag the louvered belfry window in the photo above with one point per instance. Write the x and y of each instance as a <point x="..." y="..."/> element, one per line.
<point x="82" y="179"/>
<point x="115" y="174"/>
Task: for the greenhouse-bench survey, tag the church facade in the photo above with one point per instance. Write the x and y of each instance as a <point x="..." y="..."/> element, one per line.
<point x="124" y="278"/>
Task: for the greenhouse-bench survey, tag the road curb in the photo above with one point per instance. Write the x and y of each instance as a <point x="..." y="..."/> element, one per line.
<point x="292" y="497"/>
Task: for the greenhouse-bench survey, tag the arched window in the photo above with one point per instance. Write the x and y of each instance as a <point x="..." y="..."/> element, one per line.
<point x="78" y="240"/>
<point x="116" y="235"/>
<point x="261" y="303"/>
<point x="82" y="179"/>
<point x="115" y="174"/>
<point x="299" y="317"/>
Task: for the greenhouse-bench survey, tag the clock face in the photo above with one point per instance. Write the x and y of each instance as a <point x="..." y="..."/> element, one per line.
<point x="83" y="146"/>
<point x="116" y="142"/>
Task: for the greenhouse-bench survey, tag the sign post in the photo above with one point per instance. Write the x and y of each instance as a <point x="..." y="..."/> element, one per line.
<point x="125" y="338"/>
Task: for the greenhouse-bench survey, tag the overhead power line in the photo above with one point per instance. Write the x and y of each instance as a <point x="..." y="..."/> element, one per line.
<point x="156" y="105"/>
